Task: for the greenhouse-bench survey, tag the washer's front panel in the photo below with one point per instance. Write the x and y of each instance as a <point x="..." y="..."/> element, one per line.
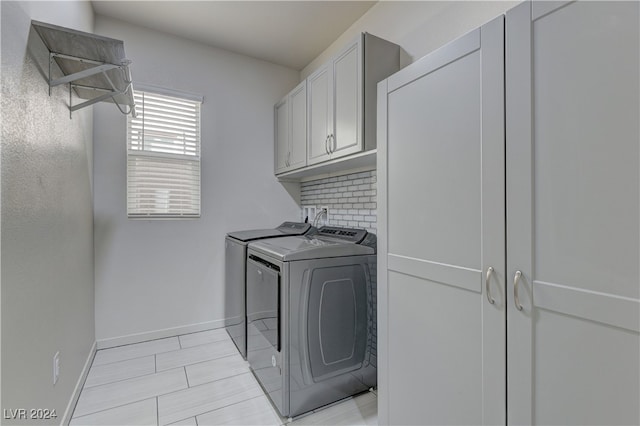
<point x="332" y="330"/>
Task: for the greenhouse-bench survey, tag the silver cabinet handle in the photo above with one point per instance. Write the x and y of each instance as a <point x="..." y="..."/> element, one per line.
<point x="516" y="280"/>
<point x="326" y="145"/>
<point x="486" y="285"/>
<point x="334" y="144"/>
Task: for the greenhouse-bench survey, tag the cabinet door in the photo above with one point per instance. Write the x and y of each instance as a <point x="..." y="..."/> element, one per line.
<point x="573" y="213"/>
<point x="298" y="125"/>
<point x="442" y="225"/>
<point x="346" y="126"/>
<point x="281" y="135"/>
<point x="318" y="110"/>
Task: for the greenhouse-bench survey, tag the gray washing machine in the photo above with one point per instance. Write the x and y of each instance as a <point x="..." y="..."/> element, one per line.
<point x="235" y="278"/>
<point x="311" y="317"/>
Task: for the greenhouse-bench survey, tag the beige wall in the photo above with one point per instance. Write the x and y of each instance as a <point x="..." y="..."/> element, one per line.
<point x="47" y="232"/>
<point x="419" y="27"/>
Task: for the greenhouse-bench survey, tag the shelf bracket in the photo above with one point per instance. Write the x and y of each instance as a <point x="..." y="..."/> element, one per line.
<point x="100" y="67"/>
<point x="90" y="64"/>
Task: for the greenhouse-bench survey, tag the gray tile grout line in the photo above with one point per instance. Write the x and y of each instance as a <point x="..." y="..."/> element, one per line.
<point x="225" y="406"/>
<point x="168" y="369"/>
<point x="210" y="411"/>
<point x="186" y="376"/>
<point x="121" y="380"/>
<point x="117" y="406"/>
<point x="135" y="357"/>
<point x="199" y="362"/>
<point x="144" y="341"/>
<point x="132" y="402"/>
<point x="169" y="393"/>
<point x="161" y="338"/>
<point x="157" y="353"/>
<point x="216" y="380"/>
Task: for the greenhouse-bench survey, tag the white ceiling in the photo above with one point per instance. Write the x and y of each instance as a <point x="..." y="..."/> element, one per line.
<point x="290" y="33"/>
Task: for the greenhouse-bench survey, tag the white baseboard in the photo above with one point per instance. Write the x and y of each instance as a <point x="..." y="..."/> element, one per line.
<point x="159" y="334"/>
<point x="79" y="385"/>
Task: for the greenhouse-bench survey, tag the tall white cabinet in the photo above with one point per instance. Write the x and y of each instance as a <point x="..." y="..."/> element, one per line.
<point x="509" y="212"/>
<point x="573" y="234"/>
<point x="441" y="227"/>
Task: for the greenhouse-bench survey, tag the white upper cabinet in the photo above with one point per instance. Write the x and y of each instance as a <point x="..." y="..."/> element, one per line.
<point x="346" y="135"/>
<point x="281" y="114"/>
<point x="342" y="98"/>
<point x="318" y="114"/>
<point x="291" y="130"/>
<point x="298" y="126"/>
<point x="335" y="106"/>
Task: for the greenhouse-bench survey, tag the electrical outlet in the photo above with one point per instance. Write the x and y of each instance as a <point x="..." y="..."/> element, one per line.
<point x="56" y="367"/>
<point x="309" y="212"/>
<point x="325" y="216"/>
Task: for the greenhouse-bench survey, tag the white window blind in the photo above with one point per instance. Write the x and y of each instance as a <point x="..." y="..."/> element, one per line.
<point x="163" y="157"/>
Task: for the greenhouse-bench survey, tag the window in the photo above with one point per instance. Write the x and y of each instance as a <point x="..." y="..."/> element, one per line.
<point x="163" y="157"/>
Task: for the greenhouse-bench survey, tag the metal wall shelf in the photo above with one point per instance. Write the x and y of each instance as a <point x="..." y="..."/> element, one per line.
<point x="95" y="67"/>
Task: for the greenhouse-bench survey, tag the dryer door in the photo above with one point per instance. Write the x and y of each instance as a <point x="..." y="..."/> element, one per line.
<point x="336" y="320"/>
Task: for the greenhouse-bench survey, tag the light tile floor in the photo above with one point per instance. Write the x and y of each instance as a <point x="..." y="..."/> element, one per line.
<point x="195" y="379"/>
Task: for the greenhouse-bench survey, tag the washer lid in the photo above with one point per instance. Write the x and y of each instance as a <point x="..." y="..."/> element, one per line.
<point x="285" y="229"/>
<point x="308" y="247"/>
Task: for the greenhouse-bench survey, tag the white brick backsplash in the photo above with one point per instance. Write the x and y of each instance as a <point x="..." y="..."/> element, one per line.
<point x="351" y="199"/>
